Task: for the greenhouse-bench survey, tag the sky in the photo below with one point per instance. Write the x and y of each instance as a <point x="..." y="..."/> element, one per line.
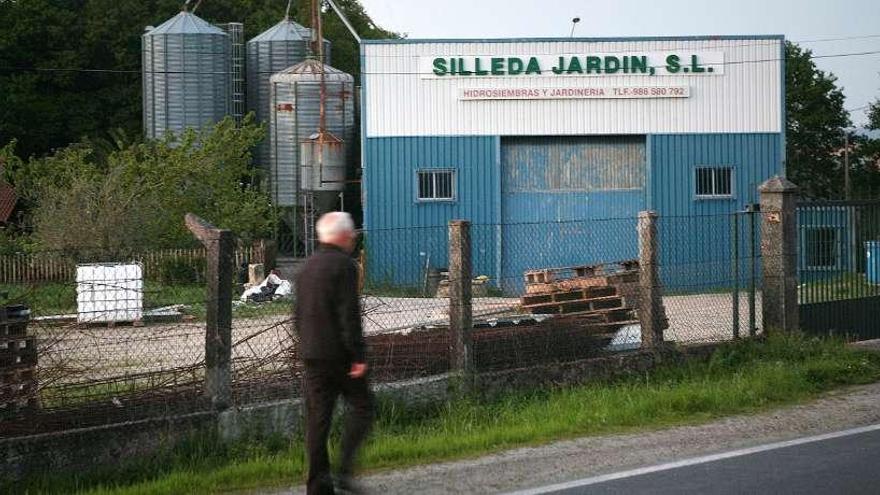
<point x="811" y="23"/>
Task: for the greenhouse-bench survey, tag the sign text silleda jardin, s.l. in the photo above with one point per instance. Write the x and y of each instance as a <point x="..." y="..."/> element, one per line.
<point x="504" y="69"/>
<point x="602" y="64"/>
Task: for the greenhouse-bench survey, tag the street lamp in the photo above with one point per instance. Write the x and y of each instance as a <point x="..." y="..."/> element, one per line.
<point x="574" y="22"/>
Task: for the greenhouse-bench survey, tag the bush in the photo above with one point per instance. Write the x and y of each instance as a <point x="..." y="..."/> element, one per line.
<point x="135" y="197"/>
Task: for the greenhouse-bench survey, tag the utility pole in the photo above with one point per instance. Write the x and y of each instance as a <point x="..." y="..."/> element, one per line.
<point x="846" y="181"/>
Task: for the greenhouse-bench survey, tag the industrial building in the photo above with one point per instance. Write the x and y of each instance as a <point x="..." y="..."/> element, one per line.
<point x="536" y="141"/>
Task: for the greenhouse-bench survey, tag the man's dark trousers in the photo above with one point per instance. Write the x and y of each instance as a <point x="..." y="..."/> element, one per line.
<point x="324" y="381"/>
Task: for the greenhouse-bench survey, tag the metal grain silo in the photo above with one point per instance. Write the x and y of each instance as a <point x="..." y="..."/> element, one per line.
<point x="273" y="50"/>
<point x="322" y="169"/>
<point x="323" y="163"/>
<point x="295" y="115"/>
<point x="186" y="75"/>
<point x="306" y="34"/>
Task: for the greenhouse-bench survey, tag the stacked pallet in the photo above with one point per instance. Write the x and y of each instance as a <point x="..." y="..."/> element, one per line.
<point x="602" y="297"/>
<point x="18" y="360"/>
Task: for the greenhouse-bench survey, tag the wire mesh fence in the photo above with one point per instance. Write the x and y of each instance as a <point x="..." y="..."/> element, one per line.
<point x="115" y="344"/>
<point x="109" y="346"/>
<point x="710" y="269"/>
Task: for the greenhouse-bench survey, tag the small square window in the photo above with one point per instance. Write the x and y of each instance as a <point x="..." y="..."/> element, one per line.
<point x="436" y="185"/>
<point x="714" y="182"/>
<point x="821" y="244"/>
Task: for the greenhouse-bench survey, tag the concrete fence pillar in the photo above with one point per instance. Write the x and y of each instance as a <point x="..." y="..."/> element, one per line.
<point x="220" y="246"/>
<point x="779" y="300"/>
<point x="651" y="317"/>
<point x="460" y="309"/>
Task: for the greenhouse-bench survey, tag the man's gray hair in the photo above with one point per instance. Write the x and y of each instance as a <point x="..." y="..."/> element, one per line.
<point x="332" y="224"/>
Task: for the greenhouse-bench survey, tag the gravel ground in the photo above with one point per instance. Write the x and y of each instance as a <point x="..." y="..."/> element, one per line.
<point x="82" y="353"/>
<point x="574" y="459"/>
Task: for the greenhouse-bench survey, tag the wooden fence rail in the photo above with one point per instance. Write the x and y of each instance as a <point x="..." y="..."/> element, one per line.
<point x="58" y="267"/>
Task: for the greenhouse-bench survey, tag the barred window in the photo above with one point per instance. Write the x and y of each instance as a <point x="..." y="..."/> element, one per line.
<point x="714" y="182"/>
<point x="436" y="185"/>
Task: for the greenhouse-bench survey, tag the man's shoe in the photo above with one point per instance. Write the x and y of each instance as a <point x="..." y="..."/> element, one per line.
<point x="348" y="485"/>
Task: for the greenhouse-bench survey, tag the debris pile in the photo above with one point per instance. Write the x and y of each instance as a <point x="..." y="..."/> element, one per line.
<point x="271" y="288"/>
<point x="602" y="298"/>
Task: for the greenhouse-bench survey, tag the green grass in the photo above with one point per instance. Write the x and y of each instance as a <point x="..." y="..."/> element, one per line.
<point x="739" y="378"/>
<point x="47" y="299"/>
<point x="60" y="298"/>
<point x="836" y="288"/>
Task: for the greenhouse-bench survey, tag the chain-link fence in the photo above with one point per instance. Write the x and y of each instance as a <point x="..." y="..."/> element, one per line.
<point x="118" y="342"/>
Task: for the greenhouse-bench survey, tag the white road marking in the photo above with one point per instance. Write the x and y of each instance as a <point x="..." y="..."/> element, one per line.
<point x="693" y="461"/>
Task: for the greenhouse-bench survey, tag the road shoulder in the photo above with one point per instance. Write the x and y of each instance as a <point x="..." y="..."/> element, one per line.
<point x="572" y="459"/>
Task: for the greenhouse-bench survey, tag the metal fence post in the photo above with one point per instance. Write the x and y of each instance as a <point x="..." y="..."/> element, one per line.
<point x="220" y="246"/>
<point x="752" y="211"/>
<point x="460" y="310"/>
<point x="779" y="253"/>
<point x="650" y="304"/>
<point x="735" y="292"/>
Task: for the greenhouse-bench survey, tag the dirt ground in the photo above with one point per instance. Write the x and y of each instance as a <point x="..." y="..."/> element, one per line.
<point x="76" y="353"/>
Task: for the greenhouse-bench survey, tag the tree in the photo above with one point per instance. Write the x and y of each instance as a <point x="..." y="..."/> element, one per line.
<point x="815" y="123"/>
<point x="135" y="197"/>
<point x="874" y="115"/>
<point x="866" y="158"/>
<point x="48" y="101"/>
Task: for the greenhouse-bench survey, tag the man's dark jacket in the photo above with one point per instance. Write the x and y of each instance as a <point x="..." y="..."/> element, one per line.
<point x="327" y="308"/>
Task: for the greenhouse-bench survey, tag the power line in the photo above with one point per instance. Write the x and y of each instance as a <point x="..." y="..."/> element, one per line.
<point x="720" y="39"/>
<point x="134" y="71"/>
<point x="726" y="63"/>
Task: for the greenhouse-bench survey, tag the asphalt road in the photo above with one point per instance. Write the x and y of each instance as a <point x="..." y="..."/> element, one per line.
<point x="846" y="462"/>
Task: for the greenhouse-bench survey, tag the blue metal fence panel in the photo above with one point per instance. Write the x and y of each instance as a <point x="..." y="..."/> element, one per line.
<point x="826" y="237"/>
<point x="405" y="235"/>
<point x="569" y="201"/>
<point x="696" y="233"/>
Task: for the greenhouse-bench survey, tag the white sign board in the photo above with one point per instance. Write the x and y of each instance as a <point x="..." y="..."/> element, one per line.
<point x="574" y="93"/>
<point x="109" y="292"/>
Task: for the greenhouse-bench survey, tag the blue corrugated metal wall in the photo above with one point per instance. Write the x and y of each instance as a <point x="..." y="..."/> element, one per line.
<point x="696" y="234"/>
<point x="569" y="201"/>
<point x="404" y="235"/>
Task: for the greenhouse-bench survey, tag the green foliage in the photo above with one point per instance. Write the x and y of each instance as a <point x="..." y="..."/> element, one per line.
<point x="46" y="109"/>
<point x="815" y="118"/>
<point x="874" y="115"/>
<point x="866" y="159"/>
<point x="135" y="197"/>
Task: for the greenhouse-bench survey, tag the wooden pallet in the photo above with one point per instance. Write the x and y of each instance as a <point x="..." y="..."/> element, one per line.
<point x="18" y="360"/>
<point x="589" y="293"/>
<point x="18" y="352"/>
<point x="11" y="325"/>
<point x="577" y="277"/>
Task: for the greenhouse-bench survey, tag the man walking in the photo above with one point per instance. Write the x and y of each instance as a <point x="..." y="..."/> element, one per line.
<point x="328" y="320"/>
